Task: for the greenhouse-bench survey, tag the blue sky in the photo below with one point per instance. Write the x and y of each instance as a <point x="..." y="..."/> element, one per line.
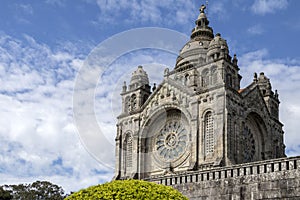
<point x="44" y="44"/>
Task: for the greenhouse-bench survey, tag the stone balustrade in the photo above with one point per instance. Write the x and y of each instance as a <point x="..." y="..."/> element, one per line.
<point x="254" y="168"/>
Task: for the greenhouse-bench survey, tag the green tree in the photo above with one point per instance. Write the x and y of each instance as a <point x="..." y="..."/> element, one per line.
<point x="128" y="189"/>
<point x="37" y="190"/>
<point x="5" y="194"/>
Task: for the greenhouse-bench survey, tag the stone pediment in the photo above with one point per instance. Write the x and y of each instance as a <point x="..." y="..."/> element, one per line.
<point x="168" y="94"/>
<point x="254" y="101"/>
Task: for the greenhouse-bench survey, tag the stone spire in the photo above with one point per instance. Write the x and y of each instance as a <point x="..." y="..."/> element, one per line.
<point x="202" y="30"/>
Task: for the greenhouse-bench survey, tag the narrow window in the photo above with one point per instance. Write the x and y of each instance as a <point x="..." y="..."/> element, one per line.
<point x="205" y="79"/>
<point x="229" y="80"/>
<point x="127" y="105"/>
<point x="186" y="79"/>
<point x="128" y="154"/>
<point x="209" y="134"/>
<point x="214" y="76"/>
<point x="133" y="102"/>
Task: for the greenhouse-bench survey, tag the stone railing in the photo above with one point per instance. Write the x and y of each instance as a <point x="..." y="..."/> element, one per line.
<point x="254" y="168"/>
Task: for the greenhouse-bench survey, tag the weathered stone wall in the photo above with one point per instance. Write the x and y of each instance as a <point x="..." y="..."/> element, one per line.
<point x="270" y="179"/>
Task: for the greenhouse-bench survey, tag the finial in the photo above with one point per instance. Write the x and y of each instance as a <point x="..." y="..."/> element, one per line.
<point x="124" y="86"/>
<point x="202" y="8"/>
<point x="234" y="60"/>
<point x="154" y="87"/>
<point x="261" y="74"/>
<point x="166" y="72"/>
<point x="276" y="94"/>
<point x="255" y="77"/>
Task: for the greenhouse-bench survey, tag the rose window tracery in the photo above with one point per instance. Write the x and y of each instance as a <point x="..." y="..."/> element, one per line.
<point x="171" y="141"/>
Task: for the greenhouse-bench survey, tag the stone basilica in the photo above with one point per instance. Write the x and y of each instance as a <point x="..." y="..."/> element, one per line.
<point x="198" y="124"/>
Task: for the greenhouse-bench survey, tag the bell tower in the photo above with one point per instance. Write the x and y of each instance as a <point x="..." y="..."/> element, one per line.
<point x="134" y="96"/>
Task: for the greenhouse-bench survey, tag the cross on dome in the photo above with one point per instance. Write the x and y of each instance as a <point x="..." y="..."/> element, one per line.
<point x="202" y="8"/>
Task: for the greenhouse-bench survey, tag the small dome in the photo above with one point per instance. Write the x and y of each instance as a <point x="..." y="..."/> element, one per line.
<point x="217" y="45"/>
<point x="191" y="52"/>
<point x="139" y="77"/>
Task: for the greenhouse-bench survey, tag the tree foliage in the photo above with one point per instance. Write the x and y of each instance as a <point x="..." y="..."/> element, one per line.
<point x="35" y="191"/>
<point x="128" y="189"/>
<point x="5" y="194"/>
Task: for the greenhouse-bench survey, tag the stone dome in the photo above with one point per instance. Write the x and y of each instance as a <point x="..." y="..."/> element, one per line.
<point x="139" y="78"/>
<point x="192" y="53"/>
<point x="217" y="45"/>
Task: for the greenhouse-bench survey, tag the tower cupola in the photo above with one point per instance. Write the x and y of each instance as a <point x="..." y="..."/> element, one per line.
<point x="139" y="78"/>
<point x="217" y="47"/>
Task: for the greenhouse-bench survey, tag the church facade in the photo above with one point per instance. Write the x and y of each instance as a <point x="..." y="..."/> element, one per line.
<point x="198" y="118"/>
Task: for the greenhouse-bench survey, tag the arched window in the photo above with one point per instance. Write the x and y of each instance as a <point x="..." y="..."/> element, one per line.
<point x="229" y="80"/>
<point x="186" y="79"/>
<point x="230" y="134"/>
<point x="128" y="148"/>
<point x="127" y="104"/>
<point x="209" y="136"/>
<point x="214" y="76"/>
<point x="133" y="102"/>
<point x="205" y="78"/>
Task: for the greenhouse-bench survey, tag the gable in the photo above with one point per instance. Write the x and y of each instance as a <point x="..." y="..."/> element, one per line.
<point x="254" y="100"/>
<point x="169" y="94"/>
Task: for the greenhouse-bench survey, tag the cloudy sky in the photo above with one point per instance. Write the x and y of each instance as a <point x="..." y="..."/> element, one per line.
<point x="46" y="48"/>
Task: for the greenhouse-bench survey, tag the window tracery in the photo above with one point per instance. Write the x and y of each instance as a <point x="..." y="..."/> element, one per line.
<point x="249" y="145"/>
<point x="133" y="103"/>
<point x="186" y="79"/>
<point x="172" y="140"/>
<point x="214" y="76"/>
<point x="127" y="104"/>
<point x="128" y="153"/>
<point x="209" y="133"/>
<point x="205" y="79"/>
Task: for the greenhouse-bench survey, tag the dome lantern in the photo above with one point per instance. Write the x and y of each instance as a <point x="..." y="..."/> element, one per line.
<point x="202" y="30"/>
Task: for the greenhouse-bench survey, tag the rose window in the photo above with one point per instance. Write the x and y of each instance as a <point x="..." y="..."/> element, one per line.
<point x="171" y="140"/>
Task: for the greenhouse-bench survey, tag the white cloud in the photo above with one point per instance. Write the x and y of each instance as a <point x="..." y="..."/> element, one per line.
<point x="25" y="8"/>
<point x="149" y="11"/>
<point x="263" y="7"/>
<point x="59" y="3"/>
<point x="38" y="137"/>
<point x="256" y="30"/>
<point x="23" y="13"/>
<point x="218" y="8"/>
